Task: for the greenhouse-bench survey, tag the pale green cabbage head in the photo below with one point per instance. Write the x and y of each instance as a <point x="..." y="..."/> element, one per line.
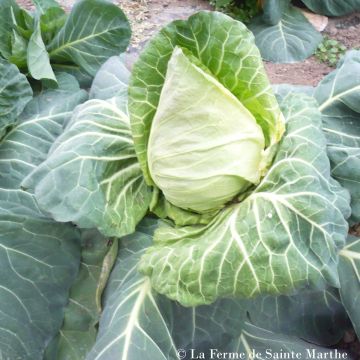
<point x="204" y="146"/>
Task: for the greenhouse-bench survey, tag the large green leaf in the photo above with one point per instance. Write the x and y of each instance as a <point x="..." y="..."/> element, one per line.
<point x="333" y="7"/>
<point x="137" y="323"/>
<point x="39" y="261"/>
<point x="226" y="47"/>
<point x="339" y="97"/>
<point x="94" y="31"/>
<point x="289" y="40"/>
<point x="15" y="93"/>
<point x="104" y="186"/>
<point x="349" y="272"/>
<point x="37" y="57"/>
<point x="283" y="236"/>
<point x="27" y="144"/>
<point x="78" y="333"/>
<point x="133" y="324"/>
<point x="315" y="316"/>
<point x="111" y="80"/>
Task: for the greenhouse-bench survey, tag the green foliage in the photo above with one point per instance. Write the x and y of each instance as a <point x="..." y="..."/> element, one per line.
<point x="282" y="32"/>
<point x="89" y="271"/>
<point x="40" y="42"/>
<point x="242" y="10"/>
<point x="330" y="51"/>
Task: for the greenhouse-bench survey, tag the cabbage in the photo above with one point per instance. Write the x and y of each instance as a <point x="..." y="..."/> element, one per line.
<point x="204" y="146"/>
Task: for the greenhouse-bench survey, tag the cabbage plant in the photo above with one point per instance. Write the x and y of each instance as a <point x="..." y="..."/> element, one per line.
<point x="248" y="194"/>
<point x="102" y="226"/>
<point x="283" y="33"/>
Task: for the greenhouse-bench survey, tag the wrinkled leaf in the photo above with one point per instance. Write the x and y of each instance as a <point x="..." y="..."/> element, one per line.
<point x="289" y="40"/>
<point x="94" y="31"/>
<point x="15" y="93"/>
<point x="275" y="241"/>
<point x="27" y="144"/>
<point x="137" y="323"/>
<point x="339" y="97"/>
<point x="104" y="186"/>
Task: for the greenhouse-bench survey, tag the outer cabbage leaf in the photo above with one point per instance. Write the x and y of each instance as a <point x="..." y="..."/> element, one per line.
<point x="333" y="7"/>
<point x="27" y="144"/>
<point x="198" y="127"/>
<point x="39" y="257"/>
<point x="339" y="97"/>
<point x="104" y="186"/>
<point x="278" y="239"/>
<point x="292" y="38"/>
<point x="78" y="332"/>
<point x="226" y="48"/>
<point x="139" y="323"/>
<point x="94" y="31"/>
<point x="39" y="261"/>
<point x="133" y="324"/>
<point x="349" y="272"/>
<point x="315" y="316"/>
<point x="111" y="80"/>
<point x="15" y="93"/>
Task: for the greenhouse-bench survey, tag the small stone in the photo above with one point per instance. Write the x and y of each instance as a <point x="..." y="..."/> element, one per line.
<point x="319" y="22"/>
<point x="333" y="31"/>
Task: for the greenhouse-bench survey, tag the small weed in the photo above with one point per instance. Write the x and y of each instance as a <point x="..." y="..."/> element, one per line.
<point x="330" y="51"/>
